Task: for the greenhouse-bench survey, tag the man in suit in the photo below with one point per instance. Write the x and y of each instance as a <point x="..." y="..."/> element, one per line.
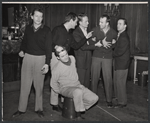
<point x="84" y="54"/>
<point x="102" y="57"/>
<point x="121" y="56"/>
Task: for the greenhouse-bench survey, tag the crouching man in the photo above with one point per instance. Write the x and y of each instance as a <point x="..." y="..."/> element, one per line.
<point x="65" y="81"/>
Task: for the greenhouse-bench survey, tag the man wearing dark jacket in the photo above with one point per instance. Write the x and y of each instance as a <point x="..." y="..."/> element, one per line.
<point x="84" y="54"/>
<point x="121" y="56"/>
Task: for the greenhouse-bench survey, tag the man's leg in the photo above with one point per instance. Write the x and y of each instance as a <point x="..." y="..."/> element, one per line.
<point x="89" y="98"/>
<point x="54" y="101"/>
<point x="121" y="86"/>
<point x="77" y="95"/>
<point x="95" y="73"/>
<point x="26" y="81"/>
<point x="39" y="82"/>
<point x="107" y="74"/>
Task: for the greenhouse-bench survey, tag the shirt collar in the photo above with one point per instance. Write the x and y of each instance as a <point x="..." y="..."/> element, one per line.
<point x="84" y="29"/>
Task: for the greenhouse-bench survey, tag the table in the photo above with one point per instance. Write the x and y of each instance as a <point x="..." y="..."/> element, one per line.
<point x="145" y="58"/>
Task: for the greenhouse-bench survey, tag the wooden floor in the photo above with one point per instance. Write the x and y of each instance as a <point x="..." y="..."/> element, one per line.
<point x="136" y="110"/>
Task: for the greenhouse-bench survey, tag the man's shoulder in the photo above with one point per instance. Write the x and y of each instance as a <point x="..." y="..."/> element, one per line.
<point x="77" y="30"/>
<point x="46" y="27"/>
<point x="72" y="58"/>
<point x="58" y="27"/>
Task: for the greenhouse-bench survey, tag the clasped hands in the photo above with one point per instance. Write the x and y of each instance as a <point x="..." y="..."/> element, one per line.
<point x="108" y="44"/>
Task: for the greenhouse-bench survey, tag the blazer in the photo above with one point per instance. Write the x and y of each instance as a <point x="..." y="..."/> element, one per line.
<point x="121" y="52"/>
<point x="84" y="54"/>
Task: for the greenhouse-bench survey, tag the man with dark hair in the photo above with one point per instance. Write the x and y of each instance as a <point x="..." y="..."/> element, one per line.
<point x="102" y="57"/>
<point x="121" y="56"/>
<point x="36" y="50"/>
<point x="61" y="35"/>
<point x="65" y="81"/>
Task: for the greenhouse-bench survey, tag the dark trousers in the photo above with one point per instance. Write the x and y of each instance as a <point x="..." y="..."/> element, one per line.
<point x="120" y="78"/>
<point x="84" y="76"/>
<point x="106" y="66"/>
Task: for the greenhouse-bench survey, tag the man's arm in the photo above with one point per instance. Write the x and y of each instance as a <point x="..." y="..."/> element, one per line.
<point x="48" y="47"/>
<point x="54" y="81"/>
<point x="121" y="48"/>
<point x="78" y="44"/>
<point x="24" y="41"/>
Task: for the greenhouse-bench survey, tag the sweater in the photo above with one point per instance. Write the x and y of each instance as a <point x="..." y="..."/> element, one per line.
<point x="64" y="76"/>
<point x="38" y="42"/>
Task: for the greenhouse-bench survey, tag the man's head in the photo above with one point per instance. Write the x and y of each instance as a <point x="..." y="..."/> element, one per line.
<point x="61" y="53"/>
<point x="83" y="20"/>
<point x="37" y="16"/>
<point x="71" y="19"/>
<point x="121" y="24"/>
<point x="104" y="21"/>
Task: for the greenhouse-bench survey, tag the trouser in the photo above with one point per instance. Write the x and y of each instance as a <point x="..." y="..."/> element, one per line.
<point x="83" y="98"/>
<point x="84" y="76"/>
<point x="106" y="65"/>
<point x="31" y="73"/>
<point x="120" y="78"/>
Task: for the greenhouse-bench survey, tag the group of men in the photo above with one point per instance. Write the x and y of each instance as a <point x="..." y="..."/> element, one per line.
<point x="75" y="77"/>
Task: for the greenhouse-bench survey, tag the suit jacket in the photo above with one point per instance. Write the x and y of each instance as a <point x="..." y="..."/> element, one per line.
<point x="121" y="52"/>
<point x="84" y="54"/>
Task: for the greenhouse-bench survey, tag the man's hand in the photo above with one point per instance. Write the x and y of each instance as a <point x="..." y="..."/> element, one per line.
<point x="105" y="43"/>
<point x="94" y="39"/>
<point x="89" y="35"/>
<point x="113" y="41"/>
<point x="45" y="69"/>
<point x="21" y="54"/>
<point x="98" y="44"/>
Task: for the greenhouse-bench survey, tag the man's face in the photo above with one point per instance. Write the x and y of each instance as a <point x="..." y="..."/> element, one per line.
<point x="37" y="17"/>
<point x="103" y="23"/>
<point x="85" y="22"/>
<point x="74" y="23"/>
<point x="63" y="55"/>
<point x="120" y="25"/>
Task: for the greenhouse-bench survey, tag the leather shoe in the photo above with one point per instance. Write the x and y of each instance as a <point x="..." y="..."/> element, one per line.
<point x="120" y="106"/>
<point x="40" y="114"/>
<point x="57" y="108"/>
<point x="18" y="113"/>
<point x="109" y="105"/>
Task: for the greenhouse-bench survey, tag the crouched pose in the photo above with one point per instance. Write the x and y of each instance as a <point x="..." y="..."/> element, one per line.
<point x="65" y="81"/>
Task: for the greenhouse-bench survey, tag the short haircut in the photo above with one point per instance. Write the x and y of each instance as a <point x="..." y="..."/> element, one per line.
<point x="57" y="52"/>
<point x="70" y="16"/>
<point x="125" y="20"/>
<point x="39" y="10"/>
<point x="81" y="15"/>
<point x="107" y="18"/>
